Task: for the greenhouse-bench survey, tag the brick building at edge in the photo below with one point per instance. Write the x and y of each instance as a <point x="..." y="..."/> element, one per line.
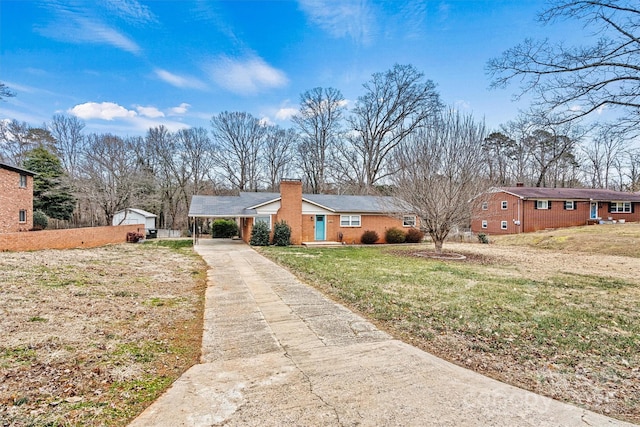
<point x="511" y="210"/>
<point x="16" y="199"/>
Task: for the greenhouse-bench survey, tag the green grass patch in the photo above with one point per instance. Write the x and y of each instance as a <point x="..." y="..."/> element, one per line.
<point x="38" y="319"/>
<point x="568" y="317"/>
<point x="143" y="352"/>
<point x="175" y="244"/>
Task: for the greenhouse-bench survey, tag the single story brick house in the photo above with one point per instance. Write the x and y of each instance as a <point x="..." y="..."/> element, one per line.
<point x="16" y="199"/>
<point x="511" y="210"/>
<point x="312" y="217"/>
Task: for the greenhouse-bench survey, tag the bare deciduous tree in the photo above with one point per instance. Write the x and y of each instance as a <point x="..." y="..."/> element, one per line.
<point x="110" y="174"/>
<point x="396" y="103"/>
<point x="603" y="152"/>
<point x="15" y="141"/>
<point x="319" y="124"/>
<point x="238" y="138"/>
<point x="278" y="154"/>
<point x="440" y="171"/>
<point x="67" y="131"/>
<point x="5" y="92"/>
<point x="578" y="81"/>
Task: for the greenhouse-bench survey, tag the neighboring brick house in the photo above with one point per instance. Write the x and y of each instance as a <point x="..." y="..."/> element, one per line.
<point x="511" y="210"/>
<point x="312" y="217"/>
<point x="16" y="199"/>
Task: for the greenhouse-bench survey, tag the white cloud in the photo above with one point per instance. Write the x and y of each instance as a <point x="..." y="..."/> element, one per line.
<point x="350" y="18"/>
<point x="266" y="121"/>
<point x="104" y="111"/>
<point x="179" y="110"/>
<point x="246" y="76"/>
<point x="151" y="112"/>
<point x="179" y="81"/>
<point x="123" y="120"/>
<point x="73" y="23"/>
<point x="575" y="108"/>
<point x="461" y="104"/>
<point x="286" y="113"/>
<point x="130" y="10"/>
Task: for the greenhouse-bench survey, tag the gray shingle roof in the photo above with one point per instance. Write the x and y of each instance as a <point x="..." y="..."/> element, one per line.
<point x="599" y="195"/>
<point x="212" y="206"/>
<point x="16" y="169"/>
<point x="356" y="204"/>
<point x="228" y="205"/>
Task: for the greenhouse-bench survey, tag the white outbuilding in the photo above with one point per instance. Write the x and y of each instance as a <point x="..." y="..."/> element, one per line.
<point x="137" y="216"/>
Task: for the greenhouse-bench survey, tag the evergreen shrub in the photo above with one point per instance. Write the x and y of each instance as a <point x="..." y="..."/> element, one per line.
<point x="281" y="234"/>
<point x="259" y="234"/>
<point x="394" y="235"/>
<point x="369" y="237"/>
<point x="224" y="228"/>
<point x="414" y="236"/>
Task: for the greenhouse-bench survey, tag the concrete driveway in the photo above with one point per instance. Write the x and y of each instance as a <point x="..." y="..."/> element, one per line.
<point x="278" y="353"/>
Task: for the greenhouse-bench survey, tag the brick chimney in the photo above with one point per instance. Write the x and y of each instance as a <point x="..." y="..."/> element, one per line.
<point x="519" y="184"/>
<point x="291" y="207"/>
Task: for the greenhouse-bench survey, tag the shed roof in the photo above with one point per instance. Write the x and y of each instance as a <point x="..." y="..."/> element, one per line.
<point x="598" y="195"/>
<point x="139" y="212"/>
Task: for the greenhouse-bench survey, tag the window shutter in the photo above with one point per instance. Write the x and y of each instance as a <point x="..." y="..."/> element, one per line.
<point x="564" y="205"/>
<point x="610" y="207"/>
<point x="549" y="205"/>
<point x="535" y="204"/>
<point x="633" y="206"/>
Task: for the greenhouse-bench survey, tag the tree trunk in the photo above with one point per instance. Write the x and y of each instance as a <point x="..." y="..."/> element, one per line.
<point x="438" y="244"/>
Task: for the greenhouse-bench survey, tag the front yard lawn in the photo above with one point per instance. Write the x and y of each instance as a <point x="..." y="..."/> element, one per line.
<point x="534" y="321"/>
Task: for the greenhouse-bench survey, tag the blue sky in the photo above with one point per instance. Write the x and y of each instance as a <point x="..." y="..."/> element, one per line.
<point x="123" y="66"/>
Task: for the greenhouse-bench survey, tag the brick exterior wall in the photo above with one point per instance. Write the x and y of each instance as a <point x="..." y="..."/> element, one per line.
<point x="532" y="219"/>
<point x="291" y="209"/>
<point x="67" y="239"/>
<point x="13" y="199"/>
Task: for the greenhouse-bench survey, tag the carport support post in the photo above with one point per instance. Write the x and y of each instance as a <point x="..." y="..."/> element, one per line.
<point x="195" y="236"/>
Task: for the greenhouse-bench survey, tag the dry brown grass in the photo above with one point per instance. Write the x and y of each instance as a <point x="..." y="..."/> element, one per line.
<point x="92" y="337"/>
<point x="605" y="239"/>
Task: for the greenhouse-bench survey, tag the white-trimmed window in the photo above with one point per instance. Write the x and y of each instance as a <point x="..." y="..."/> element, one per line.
<point x="22" y="215"/>
<point x="503" y="225"/>
<point x="350" y="221"/>
<point x="263" y="218"/>
<point x="23" y="180"/>
<point x="620" y="207"/>
<point x="409" y="221"/>
<point x="485" y="206"/>
<point x="543" y="204"/>
<point x="504" y="204"/>
<point x="484" y="223"/>
<point x="569" y="205"/>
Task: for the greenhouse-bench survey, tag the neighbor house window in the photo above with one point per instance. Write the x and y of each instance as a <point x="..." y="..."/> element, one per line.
<point x="409" y="221"/>
<point x="22" y="217"/>
<point x="484" y="223"/>
<point x="485" y="206"/>
<point x="23" y="180"/>
<point x="543" y="204"/>
<point x="621" y="207"/>
<point x="569" y="205"/>
<point x="503" y="225"/>
<point x="505" y="204"/>
<point x="263" y="218"/>
<point x="349" y="220"/>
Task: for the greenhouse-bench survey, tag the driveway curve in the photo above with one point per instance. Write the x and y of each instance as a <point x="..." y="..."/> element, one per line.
<point x="276" y="352"/>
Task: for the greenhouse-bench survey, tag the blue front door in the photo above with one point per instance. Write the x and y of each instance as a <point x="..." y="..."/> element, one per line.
<point x="319" y="227"/>
<point x="594" y="210"/>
